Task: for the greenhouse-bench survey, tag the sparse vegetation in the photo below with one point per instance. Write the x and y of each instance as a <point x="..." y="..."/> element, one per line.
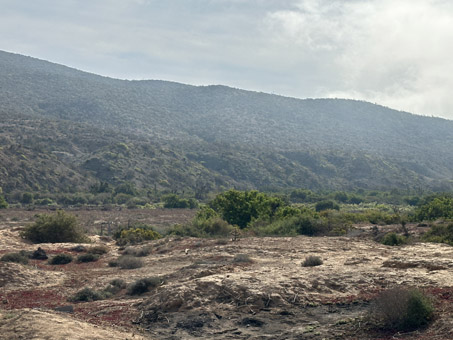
<point x="54" y="228"/>
<point x="87" y="295"/>
<point x="402" y="309"/>
<point x="142" y="286"/>
<point x="138" y="252"/>
<point x="440" y="234"/>
<point x="135" y="234"/>
<point x="89" y="257"/>
<point x="129" y="262"/>
<point x="312" y="261"/>
<point x="61" y="259"/>
<point x="98" y="250"/>
<point x="242" y="258"/>
<point x="14" y="257"/>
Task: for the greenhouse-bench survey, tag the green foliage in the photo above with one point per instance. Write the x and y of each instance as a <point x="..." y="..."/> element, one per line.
<point x="138" y="252"/>
<point x="241" y="207"/>
<point x="135" y="234"/>
<point x="61" y="259"/>
<point x="440" y="234"/>
<point x="325" y="205"/>
<point x="173" y="201"/>
<point x="437" y="207"/>
<point x="402" y="309"/>
<point x="14" y="257"/>
<point x="89" y="257"/>
<point x="87" y="295"/>
<point x="312" y="261"/>
<point x="54" y="228"/>
<point x="393" y="239"/>
<point x="27" y="198"/>
<point x="3" y="203"/>
<point x="98" y="250"/>
<point x="142" y="286"/>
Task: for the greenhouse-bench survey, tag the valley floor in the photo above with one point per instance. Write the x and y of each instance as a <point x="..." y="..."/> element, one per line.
<point x="211" y="292"/>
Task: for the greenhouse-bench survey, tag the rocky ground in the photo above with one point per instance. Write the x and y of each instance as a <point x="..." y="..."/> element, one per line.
<point x="254" y="288"/>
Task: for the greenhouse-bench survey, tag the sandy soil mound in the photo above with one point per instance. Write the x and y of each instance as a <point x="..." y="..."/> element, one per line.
<point x="16" y="276"/>
<point x="33" y="324"/>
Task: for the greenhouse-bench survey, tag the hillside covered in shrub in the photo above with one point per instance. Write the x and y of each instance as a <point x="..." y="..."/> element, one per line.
<point x="67" y="131"/>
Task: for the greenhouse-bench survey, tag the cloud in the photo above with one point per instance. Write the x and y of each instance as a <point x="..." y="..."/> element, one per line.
<point x="395" y="53"/>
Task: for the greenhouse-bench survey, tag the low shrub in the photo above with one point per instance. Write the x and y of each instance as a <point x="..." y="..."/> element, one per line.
<point x="138" y="252"/>
<point x="440" y="234"/>
<point x="61" y="259"/>
<point x="402" y="309"/>
<point x="393" y="239"/>
<point x="89" y="257"/>
<point x="14" y="257"/>
<point x="98" y="250"/>
<point x="87" y="295"/>
<point x="242" y="258"/>
<point x="135" y="234"/>
<point x="79" y="248"/>
<point x="129" y="262"/>
<point x="142" y="286"/>
<point x="312" y="261"/>
<point x="120" y="283"/>
<point x="56" y="228"/>
<point x="113" y="263"/>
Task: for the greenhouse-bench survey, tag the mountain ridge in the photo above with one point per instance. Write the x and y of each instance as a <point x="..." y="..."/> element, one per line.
<point x="218" y="135"/>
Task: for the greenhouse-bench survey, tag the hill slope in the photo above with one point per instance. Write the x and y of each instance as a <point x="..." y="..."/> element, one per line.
<point x="62" y="130"/>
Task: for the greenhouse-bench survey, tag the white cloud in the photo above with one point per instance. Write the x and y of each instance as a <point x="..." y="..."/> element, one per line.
<point x="394" y="52"/>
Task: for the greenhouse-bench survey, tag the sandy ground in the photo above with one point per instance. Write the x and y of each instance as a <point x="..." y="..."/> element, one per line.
<point x="208" y="294"/>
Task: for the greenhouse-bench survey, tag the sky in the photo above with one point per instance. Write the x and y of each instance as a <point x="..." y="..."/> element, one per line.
<point x="396" y="53"/>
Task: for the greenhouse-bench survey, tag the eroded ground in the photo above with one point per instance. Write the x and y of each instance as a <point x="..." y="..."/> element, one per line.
<point x="207" y="294"/>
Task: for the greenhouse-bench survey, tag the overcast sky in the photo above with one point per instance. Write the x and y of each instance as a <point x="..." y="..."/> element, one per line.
<point x="397" y="53"/>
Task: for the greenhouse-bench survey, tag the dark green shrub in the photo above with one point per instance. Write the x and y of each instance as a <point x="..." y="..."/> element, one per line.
<point x="113" y="263"/>
<point x="312" y="261"/>
<point x="87" y="295"/>
<point x="325" y="205"/>
<point x="439" y="234"/>
<point x="120" y="283"/>
<point x="393" y="239"/>
<point x="27" y="198"/>
<point x="402" y="309"/>
<point x="142" y="286"/>
<point x="56" y="228"/>
<point x="61" y="259"/>
<point x="89" y="257"/>
<point x="129" y="262"/>
<point x="3" y="203"/>
<point x="14" y="257"/>
<point x="173" y="201"/>
<point x="437" y="207"/>
<point x="98" y="250"/>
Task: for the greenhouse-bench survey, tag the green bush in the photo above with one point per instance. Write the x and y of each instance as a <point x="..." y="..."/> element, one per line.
<point x="138" y="252"/>
<point x="135" y="234"/>
<point x="14" y="257"/>
<point x="312" y="261"/>
<point x="173" y="201"/>
<point x="89" y="257"/>
<point x="393" y="239"/>
<point x="61" y="259"/>
<point x="241" y="207"/>
<point x="3" y="203"/>
<point x="129" y="262"/>
<point x="142" y="286"/>
<point x="54" y="228"/>
<point x="402" y="309"/>
<point x="88" y="295"/>
<point x="437" y="207"/>
<point x="325" y="205"/>
<point x="440" y="234"/>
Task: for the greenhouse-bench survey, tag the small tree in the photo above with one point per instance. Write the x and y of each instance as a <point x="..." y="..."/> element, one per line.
<point x="56" y="228"/>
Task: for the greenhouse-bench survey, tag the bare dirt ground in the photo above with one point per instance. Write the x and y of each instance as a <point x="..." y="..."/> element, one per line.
<point x="208" y="294"/>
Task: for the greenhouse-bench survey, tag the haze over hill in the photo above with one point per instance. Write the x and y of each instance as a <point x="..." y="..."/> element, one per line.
<point x="62" y="130"/>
